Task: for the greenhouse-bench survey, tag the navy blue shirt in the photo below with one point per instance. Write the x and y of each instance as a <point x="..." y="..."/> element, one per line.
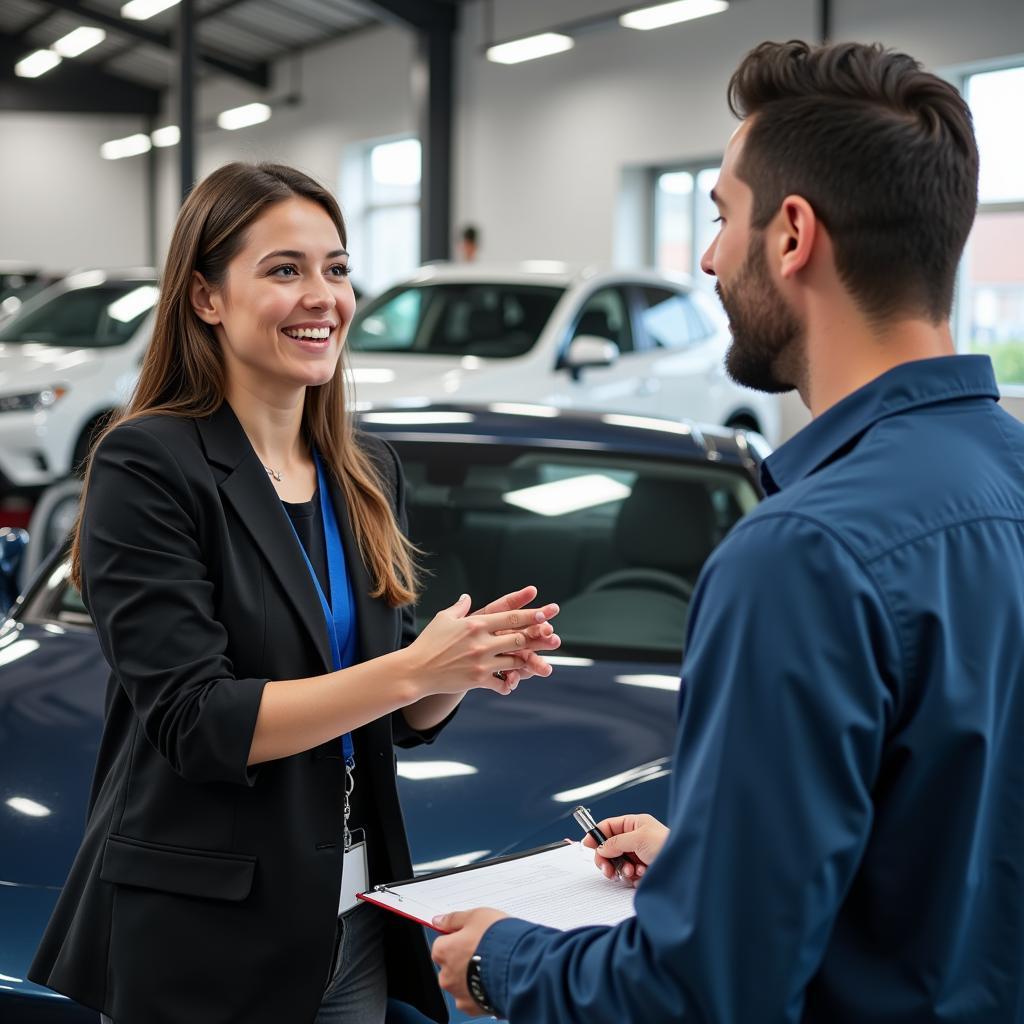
<point x="847" y="807"/>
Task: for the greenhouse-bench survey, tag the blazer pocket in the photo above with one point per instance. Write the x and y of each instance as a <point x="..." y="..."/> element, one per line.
<point x="177" y="869"/>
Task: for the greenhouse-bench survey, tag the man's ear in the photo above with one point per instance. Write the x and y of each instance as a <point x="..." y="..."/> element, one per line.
<point x="796" y="231"/>
<point x="201" y="296"/>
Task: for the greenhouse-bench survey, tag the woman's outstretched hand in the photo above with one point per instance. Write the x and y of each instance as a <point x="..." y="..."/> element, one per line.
<point x="458" y="651"/>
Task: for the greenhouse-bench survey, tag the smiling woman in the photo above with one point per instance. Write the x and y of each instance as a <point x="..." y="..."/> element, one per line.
<point x="242" y="554"/>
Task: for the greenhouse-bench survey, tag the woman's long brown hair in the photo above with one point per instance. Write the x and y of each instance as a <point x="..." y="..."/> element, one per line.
<point x="183" y="373"/>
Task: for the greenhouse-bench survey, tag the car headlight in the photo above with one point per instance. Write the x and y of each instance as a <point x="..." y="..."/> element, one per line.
<point x="34" y="401"/>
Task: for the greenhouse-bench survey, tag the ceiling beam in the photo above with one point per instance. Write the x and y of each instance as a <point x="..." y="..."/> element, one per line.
<point x="254" y="73"/>
<point x="74" y="87"/>
<point x="425" y="15"/>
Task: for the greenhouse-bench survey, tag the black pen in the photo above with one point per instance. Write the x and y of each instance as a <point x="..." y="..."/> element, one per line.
<point x="586" y="822"/>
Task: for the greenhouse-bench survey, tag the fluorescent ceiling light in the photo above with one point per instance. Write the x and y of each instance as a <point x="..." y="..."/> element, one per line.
<point x="36" y="64"/>
<point x="561" y="497"/>
<point x="565" y="659"/>
<point x="671" y="14"/>
<point x="417" y="770"/>
<point x="131" y="145"/>
<point x="77" y="42"/>
<point x="170" y="135"/>
<point x="140" y="10"/>
<point x="530" y="48"/>
<point x="23" y="805"/>
<point x="242" y="117"/>
<point x="128" y="307"/>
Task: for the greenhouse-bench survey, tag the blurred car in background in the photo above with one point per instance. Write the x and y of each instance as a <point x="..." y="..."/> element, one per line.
<point x="68" y="357"/>
<point x="612" y="516"/>
<point x="20" y="281"/>
<point x="614" y="341"/>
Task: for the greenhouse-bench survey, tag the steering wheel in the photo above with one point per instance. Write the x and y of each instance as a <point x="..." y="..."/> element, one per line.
<point x="644" y="579"/>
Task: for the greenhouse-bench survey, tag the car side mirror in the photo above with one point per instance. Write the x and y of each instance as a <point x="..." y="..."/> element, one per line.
<point x="588" y="350"/>
<point x="12" y="549"/>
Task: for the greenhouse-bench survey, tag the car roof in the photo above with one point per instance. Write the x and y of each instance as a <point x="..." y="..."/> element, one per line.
<point x="537" y="272"/>
<point x="547" y="426"/>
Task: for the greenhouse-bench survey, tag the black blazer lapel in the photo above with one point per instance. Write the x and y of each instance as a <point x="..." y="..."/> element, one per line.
<point x="254" y="500"/>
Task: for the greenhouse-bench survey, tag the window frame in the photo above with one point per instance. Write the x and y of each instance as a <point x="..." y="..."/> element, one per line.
<point x="960" y="320"/>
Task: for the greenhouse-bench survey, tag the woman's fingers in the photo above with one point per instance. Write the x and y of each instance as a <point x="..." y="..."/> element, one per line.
<point x="523" y="618"/>
<point x="509" y="602"/>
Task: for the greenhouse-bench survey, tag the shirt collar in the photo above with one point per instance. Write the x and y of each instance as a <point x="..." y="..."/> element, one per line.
<point x="907" y="386"/>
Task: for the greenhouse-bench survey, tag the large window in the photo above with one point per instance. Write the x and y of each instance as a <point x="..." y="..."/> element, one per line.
<point x="683" y="215"/>
<point x="990" y="315"/>
<point x="380" y="194"/>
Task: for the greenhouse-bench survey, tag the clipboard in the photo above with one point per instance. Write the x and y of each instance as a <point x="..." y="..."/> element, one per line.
<point x="555" y="885"/>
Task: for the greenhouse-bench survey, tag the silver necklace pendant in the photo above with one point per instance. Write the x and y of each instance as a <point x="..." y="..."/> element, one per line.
<point x="276" y="474"/>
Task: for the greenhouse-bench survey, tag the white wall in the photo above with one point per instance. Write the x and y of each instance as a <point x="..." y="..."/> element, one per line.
<point x="61" y="205"/>
<point x="352" y="90"/>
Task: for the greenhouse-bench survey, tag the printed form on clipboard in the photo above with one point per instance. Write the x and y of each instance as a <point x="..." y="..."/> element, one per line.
<point x="556" y="885"/>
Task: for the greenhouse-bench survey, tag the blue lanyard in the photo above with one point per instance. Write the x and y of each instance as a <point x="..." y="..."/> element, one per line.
<point x="338" y="612"/>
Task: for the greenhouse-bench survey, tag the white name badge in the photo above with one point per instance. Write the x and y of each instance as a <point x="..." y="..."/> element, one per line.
<point x="355" y="876"/>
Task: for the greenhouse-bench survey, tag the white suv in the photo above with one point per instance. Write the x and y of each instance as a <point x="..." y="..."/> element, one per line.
<point x="68" y="357"/>
<point x="612" y="341"/>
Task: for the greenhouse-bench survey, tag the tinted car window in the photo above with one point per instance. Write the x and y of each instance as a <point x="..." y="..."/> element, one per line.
<point x="617" y="541"/>
<point x="93" y="317"/>
<point x="490" y="320"/>
<point x="605" y="315"/>
<point x="672" y="320"/>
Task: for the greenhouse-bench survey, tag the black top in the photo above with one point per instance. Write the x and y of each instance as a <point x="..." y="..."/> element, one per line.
<point x="308" y="519"/>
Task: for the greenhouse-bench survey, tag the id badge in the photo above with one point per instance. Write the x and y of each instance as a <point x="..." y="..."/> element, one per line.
<point x="355" y="875"/>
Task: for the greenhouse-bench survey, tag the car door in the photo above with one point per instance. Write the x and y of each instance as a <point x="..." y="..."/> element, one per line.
<point x="621" y="387"/>
<point x="684" y="352"/>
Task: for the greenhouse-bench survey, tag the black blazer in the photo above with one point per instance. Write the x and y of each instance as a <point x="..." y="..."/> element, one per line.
<point x="206" y="891"/>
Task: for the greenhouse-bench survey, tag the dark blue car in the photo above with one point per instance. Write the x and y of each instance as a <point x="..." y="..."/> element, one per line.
<point x="611" y="516"/>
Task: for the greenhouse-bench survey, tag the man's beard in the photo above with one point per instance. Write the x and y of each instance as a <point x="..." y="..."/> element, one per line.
<point x="765" y="353"/>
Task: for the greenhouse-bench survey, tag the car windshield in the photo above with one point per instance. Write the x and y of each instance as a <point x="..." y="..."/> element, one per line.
<point x="616" y="540"/>
<point x="495" y="321"/>
<point x="96" y="316"/>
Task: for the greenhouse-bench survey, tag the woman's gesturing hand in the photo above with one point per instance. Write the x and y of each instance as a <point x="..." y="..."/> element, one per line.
<point x="458" y="651"/>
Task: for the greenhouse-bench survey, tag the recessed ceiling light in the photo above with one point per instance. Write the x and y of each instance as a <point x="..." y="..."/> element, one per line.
<point x="671" y="14"/>
<point x="530" y="48"/>
<point x="77" y="42"/>
<point x="140" y="10"/>
<point x="242" y="117"/>
<point x="36" y="64"/>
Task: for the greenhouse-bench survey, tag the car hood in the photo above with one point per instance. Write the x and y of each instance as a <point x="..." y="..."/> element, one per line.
<point x="52" y="686"/>
<point x="411" y="379"/>
<point x="508" y="771"/>
<point x="519" y="764"/>
<point x="35" y="367"/>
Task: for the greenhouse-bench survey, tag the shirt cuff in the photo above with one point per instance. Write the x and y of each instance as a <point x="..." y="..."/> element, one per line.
<point x="495" y="950"/>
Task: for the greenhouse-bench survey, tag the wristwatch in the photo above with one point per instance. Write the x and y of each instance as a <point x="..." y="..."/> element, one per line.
<point x="475" y="984"/>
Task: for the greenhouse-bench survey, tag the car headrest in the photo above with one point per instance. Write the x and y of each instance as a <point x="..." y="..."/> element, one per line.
<point x="666" y="524"/>
<point x="596" y="322"/>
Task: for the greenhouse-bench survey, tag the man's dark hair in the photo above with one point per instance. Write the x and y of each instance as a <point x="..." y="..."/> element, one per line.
<point x="471" y="234"/>
<point x="882" y="150"/>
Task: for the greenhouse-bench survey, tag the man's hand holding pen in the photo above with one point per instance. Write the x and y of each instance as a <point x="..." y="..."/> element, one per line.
<point x="638" y="838"/>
